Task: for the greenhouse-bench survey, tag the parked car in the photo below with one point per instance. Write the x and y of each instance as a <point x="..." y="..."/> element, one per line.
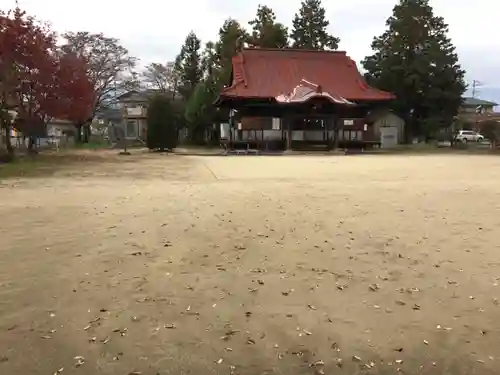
<point x="468" y="136"/>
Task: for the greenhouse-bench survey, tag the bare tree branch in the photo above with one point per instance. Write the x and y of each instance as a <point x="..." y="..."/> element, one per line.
<point x="107" y="61"/>
<point x="162" y="77"/>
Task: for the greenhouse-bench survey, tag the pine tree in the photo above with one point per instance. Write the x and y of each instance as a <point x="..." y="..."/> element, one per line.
<point x="266" y="32"/>
<point x="231" y="37"/>
<point x="209" y="60"/>
<point x="162" y="129"/>
<point x="189" y="65"/>
<point x="200" y="112"/>
<point x="310" y="26"/>
<point x="416" y="61"/>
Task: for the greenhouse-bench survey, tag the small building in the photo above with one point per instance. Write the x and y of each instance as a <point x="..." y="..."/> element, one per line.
<point x="388" y="127"/>
<point x="289" y="99"/>
<point x="133" y="106"/>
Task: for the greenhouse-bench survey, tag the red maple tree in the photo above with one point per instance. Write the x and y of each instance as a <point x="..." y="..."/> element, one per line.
<point x="75" y="90"/>
<point x="36" y="79"/>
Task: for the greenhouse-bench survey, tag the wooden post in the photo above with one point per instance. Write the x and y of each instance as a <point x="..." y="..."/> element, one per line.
<point x="335" y="128"/>
<point x="328" y="127"/>
<point x="289" y="134"/>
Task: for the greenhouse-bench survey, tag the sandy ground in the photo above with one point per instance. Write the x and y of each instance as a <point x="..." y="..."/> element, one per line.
<point x="158" y="264"/>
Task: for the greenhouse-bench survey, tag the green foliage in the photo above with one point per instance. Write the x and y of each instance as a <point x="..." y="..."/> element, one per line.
<point x="162" y="129"/>
<point x="216" y="61"/>
<point x="310" y="26"/>
<point x="209" y="60"/>
<point x="416" y="61"/>
<point x="200" y="112"/>
<point x="266" y="32"/>
<point x="189" y="65"/>
<point x="94" y="144"/>
<point x="231" y="37"/>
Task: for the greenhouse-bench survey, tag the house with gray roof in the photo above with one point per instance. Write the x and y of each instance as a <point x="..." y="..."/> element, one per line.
<point x="475" y="105"/>
<point x="474" y="111"/>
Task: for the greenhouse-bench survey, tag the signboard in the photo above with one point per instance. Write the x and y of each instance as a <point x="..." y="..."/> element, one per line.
<point x="348" y="122"/>
<point x="134" y="111"/>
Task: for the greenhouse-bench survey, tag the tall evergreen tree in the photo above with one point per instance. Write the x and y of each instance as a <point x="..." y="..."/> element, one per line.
<point x="199" y="113"/>
<point x="266" y="32"/>
<point x="231" y="38"/>
<point x="162" y="130"/>
<point x="189" y="65"/>
<point x="416" y="61"/>
<point x="209" y="60"/>
<point x="310" y="26"/>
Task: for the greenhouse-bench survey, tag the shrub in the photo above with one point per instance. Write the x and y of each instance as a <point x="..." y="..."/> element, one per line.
<point x="162" y="130"/>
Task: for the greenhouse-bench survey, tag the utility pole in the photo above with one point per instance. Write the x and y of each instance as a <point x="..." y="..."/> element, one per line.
<point x="475" y="85"/>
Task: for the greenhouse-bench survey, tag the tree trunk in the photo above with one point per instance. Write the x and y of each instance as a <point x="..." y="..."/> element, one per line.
<point x="86" y="133"/>
<point x="8" y="141"/>
<point x="408" y="130"/>
<point x="31" y="145"/>
<point x="78" y="134"/>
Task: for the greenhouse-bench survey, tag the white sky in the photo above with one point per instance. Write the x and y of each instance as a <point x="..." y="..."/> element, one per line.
<point x="153" y="30"/>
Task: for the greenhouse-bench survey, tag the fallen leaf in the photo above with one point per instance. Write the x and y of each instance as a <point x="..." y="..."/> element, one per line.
<point x="374" y="287"/>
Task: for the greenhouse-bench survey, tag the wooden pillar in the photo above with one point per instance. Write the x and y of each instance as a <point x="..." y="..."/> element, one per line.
<point x="289" y="133"/>
<point x="335" y="128"/>
<point x="286" y="131"/>
<point x="326" y="137"/>
<point x="328" y="127"/>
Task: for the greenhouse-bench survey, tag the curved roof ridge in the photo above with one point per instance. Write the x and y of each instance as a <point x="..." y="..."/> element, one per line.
<point x="294" y="50"/>
<point x="268" y="72"/>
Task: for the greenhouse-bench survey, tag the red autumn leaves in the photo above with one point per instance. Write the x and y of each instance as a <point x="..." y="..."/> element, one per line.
<point x="37" y="79"/>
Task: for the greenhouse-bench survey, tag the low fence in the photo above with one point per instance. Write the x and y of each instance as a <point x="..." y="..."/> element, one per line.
<point x="44" y="143"/>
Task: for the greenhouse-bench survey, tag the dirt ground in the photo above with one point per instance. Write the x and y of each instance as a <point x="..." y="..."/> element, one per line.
<point x="155" y="264"/>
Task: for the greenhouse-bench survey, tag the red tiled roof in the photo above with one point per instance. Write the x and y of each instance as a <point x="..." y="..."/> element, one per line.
<point x="268" y="73"/>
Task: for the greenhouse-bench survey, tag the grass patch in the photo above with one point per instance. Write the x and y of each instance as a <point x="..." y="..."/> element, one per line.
<point x="48" y="163"/>
<point x="434" y="148"/>
<point x="93" y="145"/>
<point x="28" y="166"/>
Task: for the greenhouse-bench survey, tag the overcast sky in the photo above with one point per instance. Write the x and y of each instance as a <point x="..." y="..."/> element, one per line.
<point x="153" y="30"/>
